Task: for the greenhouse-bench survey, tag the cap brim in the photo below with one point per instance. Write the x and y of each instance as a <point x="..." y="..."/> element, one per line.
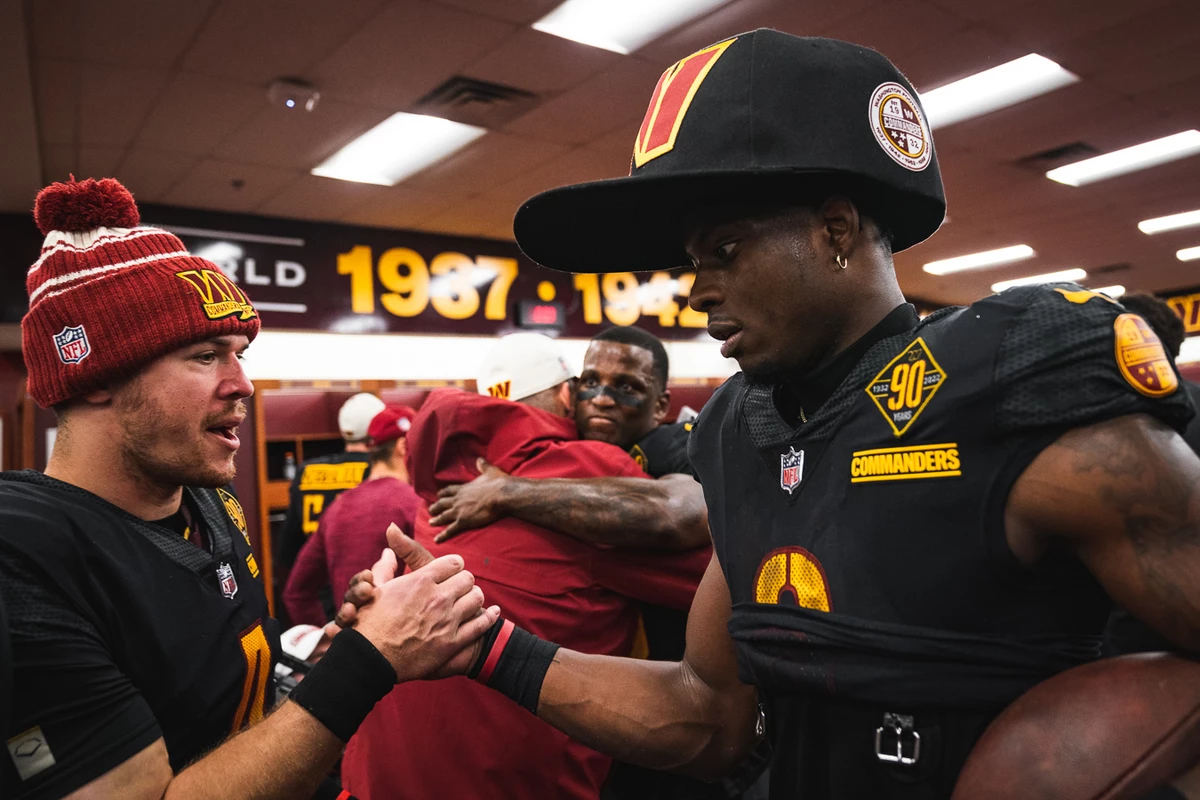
<point x="637" y="224"/>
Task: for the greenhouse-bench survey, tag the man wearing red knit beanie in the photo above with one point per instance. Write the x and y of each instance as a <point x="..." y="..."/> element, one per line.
<point x="142" y="650"/>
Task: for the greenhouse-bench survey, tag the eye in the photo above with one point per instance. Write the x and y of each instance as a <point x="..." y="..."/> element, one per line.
<point x="725" y="249"/>
<point x="206" y="357"/>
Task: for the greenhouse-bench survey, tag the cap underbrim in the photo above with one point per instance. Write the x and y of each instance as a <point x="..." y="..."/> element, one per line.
<point x="637" y="224"/>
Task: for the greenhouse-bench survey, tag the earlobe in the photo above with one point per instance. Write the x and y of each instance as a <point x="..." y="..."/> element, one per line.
<point x="98" y="397"/>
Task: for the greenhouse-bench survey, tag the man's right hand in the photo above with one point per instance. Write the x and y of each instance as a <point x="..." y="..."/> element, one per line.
<point x="465" y="507"/>
<point x="425" y="618"/>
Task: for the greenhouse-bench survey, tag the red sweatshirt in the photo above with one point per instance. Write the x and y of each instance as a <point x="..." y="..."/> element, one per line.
<point x="455" y="738"/>
<point x="349" y="539"/>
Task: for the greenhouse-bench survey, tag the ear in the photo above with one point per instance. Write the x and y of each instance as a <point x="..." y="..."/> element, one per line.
<point x="662" y="406"/>
<point x="98" y="397"/>
<point x="566" y="397"/>
<point x="839" y="226"/>
<point x="400" y="450"/>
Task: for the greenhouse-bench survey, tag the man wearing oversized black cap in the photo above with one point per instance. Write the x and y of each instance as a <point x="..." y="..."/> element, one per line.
<point x="914" y="521"/>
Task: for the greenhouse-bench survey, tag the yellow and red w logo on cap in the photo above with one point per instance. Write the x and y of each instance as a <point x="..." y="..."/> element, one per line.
<point x="107" y="295"/>
<point x="670" y="101"/>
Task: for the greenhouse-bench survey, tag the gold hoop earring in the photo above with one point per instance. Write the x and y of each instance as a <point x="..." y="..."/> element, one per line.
<point x="841" y="261"/>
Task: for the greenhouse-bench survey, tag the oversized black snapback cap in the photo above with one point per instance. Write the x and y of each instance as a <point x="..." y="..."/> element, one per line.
<point x="760" y="116"/>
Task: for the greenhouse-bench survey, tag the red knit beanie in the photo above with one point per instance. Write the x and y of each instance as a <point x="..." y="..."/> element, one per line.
<point x="107" y="295"/>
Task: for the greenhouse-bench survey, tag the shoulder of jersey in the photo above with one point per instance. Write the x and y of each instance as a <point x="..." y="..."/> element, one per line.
<point x="47" y="504"/>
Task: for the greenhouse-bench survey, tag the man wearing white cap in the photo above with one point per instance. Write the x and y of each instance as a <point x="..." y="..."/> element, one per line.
<point x="322" y="479"/>
<point x="550" y="582"/>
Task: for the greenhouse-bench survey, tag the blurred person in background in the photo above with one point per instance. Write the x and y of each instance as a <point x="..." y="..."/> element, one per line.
<point x="353" y="529"/>
<point x="319" y="482"/>
<point x="474" y="742"/>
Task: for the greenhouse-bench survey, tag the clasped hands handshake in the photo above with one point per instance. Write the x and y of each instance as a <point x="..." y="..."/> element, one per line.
<point x="427" y="622"/>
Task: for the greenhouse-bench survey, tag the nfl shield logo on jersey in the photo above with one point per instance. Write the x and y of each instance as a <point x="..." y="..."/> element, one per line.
<point x="791" y="469"/>
<point x="227" y="581"/>
<point x="72" y="344"/>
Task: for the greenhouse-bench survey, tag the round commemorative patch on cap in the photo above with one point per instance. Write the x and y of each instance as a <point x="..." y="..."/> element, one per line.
<point x="899" y="126"/>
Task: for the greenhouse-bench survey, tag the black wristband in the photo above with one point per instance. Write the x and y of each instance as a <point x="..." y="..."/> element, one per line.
<point x="514" y="662"/>
<point x="345" y="684"/>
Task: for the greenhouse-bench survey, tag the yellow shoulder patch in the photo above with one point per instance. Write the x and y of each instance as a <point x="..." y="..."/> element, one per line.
<point x="1083" y="295"/>
<point x="1142" y="358"/>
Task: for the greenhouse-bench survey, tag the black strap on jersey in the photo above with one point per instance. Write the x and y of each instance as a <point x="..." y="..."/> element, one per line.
<point x="514" y="662"/>
<point x="345" y="684"/>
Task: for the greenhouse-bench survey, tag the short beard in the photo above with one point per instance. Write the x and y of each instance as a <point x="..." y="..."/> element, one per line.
<point x="145" y="429"/>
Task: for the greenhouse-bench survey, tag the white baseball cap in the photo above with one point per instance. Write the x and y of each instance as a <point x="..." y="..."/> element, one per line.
<point x="522" y="364"/>
<point x="356" y="414"/>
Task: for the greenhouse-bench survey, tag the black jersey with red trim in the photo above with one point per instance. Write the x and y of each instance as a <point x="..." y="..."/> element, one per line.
<point x="313" y="490"/>
<point x="123" y="632"/>
<point x="865" y="549"/>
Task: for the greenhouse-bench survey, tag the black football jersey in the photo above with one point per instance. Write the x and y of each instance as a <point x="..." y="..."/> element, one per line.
<point x="122" y="632"/>
<point x="313" y="490"/>
<point x="865" y="549"/>
<point x="663" y="451"/>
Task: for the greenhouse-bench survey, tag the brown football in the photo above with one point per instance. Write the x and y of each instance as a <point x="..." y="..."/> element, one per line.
<point x="1109" y="730"/>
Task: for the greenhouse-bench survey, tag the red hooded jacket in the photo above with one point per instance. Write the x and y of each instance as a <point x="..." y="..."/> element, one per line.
<point x="456" y="738"/>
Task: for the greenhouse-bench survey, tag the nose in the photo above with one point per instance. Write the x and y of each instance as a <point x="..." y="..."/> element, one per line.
<point x="706" y="294"/>
<point x="603" y="399"/>
<point x="235" y="385"/>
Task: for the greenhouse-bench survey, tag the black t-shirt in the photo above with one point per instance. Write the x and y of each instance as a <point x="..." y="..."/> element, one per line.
<point x="864" y="548"/>
<point x="123" y="632"/>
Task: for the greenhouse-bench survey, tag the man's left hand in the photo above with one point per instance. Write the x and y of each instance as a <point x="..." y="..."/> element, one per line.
<point x="468" y="506"/>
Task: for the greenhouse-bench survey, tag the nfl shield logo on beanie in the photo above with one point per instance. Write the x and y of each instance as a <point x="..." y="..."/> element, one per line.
<point x="72" y="344"/>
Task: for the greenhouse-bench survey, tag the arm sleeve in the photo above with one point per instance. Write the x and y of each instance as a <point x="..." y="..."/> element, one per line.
<point x="309" y="575"/>
<point x="75" y="714"/>
<point x="662" y="579"/>
<point x="1072" y="357"/>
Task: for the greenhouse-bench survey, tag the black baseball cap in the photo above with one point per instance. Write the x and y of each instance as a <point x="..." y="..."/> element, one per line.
<point x="761" y="117"/>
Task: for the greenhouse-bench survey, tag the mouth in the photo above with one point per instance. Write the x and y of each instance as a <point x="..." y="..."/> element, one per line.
<point x="227" y="433"/>
<point x="601" y="424"/>
<point x="728" y="333"/>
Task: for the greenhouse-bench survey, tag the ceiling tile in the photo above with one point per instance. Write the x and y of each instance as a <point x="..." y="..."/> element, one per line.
<point x="56" y="93"/>
<point x="134" y="33"/>
<point x="150" y="174"/>
<point x="196" y="113"/>
<point x="99" y="162"/>
<point x="538" y="62"/>
<point x="576" y="166"/>
<point x="398" y="207"/>
<point x="899" y="28"/>
<point x="1041" y="24"/>
<point x="297" y="139"/>
<point x="474" y="216"/>
<point x="595" y="107"/>
<point x="59" y="162"/>
<point x="266" y="39"/>
<point x="326" y="199"/>
<point x="1124" y="43"/>
<point x="114" y="101"/>
<point x="488" y="162"/>
<point x="519" y="11"/>
<point x="963" y="53"/>
<point x="211" y="185"/>
<point x="405" y="52"/>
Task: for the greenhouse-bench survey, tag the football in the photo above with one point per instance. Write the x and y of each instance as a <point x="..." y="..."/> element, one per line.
<point x="1112" y="729"/>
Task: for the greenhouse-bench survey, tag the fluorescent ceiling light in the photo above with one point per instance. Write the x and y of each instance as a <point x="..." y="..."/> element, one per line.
<point x="621" y="26"/>
<point x="1112" y="291"/>
<point x="989" y="258"/>
<point x="1049" y="277"/>
<point x="1131" y="159"/>
<point x="984" y="92"/>
<point x="401" y="145"/>
<point x="1188" y="254"/>
<point x="1159" y="224"/>
<point x="1189" y="352"/>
